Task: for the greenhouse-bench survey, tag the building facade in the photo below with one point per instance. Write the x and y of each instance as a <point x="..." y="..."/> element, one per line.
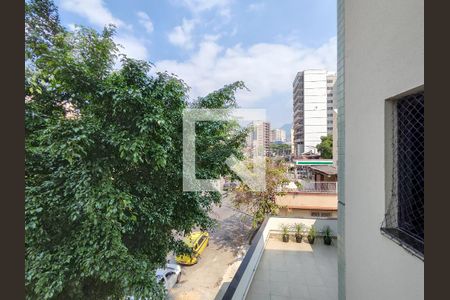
<point x="277" y="135"/>
<point x="331" y="83"/>
<point x="380" y="76"/>
<point x="259" y="139"/>
<point x="310" y="108"/>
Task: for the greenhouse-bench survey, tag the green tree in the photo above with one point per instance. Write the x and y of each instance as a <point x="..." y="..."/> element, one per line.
<point x="326" y="147"/>
<point x="262" y="204"/>
<point x="103" y="169"/>
<point x="280" y="149"/>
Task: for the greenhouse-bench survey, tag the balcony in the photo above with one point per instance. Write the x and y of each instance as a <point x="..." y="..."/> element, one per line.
<point x="273" y="269"/>
<point x="318" y="187"/>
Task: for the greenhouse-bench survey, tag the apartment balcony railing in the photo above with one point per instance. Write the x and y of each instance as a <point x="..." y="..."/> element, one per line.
<point x="318" y="187"/>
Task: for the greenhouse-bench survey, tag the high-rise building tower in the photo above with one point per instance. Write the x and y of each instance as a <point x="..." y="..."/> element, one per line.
<point x="310" y="90"/>
<point x="331" y="82"/>
<point x="259" y="139"/>
<point x="278" y="135"/>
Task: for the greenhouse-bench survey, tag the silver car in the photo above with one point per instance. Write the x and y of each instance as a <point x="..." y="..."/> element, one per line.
<point x="169" y="276"/>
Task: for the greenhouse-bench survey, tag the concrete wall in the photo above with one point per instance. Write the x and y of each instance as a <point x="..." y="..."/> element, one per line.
<point x="384" y="57"/>
<point x="308" y="200"/>
<point x="303" y="213"/>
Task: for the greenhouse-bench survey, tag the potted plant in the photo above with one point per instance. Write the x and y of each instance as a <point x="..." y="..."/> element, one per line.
<point x="285" y="230"/>
<point x="311" y="234"/>
<point x="327" y="235"/>
<point x="298" y="232"/>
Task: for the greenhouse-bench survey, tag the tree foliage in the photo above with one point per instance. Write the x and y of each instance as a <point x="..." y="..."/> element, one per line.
<point x="104" y="200"/>
<point x="280" y="149"/>
<point x="262" y="204"/>
<point x="326" y="147"/>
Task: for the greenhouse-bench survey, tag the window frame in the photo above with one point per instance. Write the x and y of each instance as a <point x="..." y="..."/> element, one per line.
<point x="390" y="160"/>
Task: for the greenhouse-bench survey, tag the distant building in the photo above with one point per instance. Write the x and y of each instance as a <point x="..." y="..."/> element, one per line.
<point x="292" y="142"/>
<point x="277" y="135"/>
<point x="259" y="138"/>
<point x="311" y="91"/>
<point x="331" y="84"/>
<point x="307" y="204"/>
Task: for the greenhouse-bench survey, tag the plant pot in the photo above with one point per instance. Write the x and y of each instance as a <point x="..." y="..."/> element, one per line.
<point x="311" y="239"/>
<point x="327" y="240"/>
<point x="298" y="238"/>
<point x="285" y="238"/>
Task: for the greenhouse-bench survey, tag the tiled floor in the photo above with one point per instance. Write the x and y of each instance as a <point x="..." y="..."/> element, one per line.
<point x="296" y="271"/>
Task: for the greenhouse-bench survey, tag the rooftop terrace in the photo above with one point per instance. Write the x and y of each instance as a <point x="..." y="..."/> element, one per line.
<point x="273" y="269"/>
<point x="295" y="271"/>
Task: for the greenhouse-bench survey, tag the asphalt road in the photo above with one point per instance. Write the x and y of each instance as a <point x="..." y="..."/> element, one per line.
<point x="228" y="243"/>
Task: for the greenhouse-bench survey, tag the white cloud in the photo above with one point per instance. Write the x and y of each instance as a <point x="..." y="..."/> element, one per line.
<point x="266" y="69"/>
<point x="132" y="47"/>
<point x="94" y="10"/>
<point x="256" y="6"/>
<point x="145" y="21"/>
<point x="182" y="35"/>
<point x="198" y="6"/>
<point x="72" y="27"/>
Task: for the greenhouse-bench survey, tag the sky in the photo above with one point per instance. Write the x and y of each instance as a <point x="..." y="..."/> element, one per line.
<point x="211" y="43"/>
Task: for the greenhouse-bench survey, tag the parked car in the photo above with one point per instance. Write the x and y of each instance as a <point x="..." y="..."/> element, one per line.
<point x="170" y="275"/>
<point x="197" y="241"/>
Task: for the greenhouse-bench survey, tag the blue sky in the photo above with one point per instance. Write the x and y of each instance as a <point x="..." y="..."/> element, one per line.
<point x="210" y="43"/>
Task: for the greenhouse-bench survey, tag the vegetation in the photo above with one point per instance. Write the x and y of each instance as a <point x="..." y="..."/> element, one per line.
<point x="327" y="231"/>
<point x="280" y="149"/>
<point x="312" y="231"/>
<point x="327" y="238"/>
<point x="284" y="229"/>
<point x="299" y="228"/>
<point x="262" y="204"/>
<point x="326" y="147"/>
<point x="103" y="171"/>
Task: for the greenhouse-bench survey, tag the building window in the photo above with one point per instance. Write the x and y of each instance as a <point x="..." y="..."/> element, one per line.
<point x="320" y="214"/>
<point x="404" y="217"/>
<point x="329" y="81"/>
<point x="330" y="95"/>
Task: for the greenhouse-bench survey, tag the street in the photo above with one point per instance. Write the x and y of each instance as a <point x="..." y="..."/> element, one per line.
<point x="220" y="260"/>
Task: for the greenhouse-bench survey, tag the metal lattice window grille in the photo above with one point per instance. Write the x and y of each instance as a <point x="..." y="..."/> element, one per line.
<point x="404" y="218"/>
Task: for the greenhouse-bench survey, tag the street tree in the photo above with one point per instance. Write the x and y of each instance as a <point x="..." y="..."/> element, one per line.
<point x="261" y="204"/>
<point x="325" y="147"/>
<point x="103" y="171"/>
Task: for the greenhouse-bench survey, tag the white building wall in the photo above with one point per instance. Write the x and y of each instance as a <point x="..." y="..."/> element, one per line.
<point x="384" y="56"/>
<point x="315" y="107"/>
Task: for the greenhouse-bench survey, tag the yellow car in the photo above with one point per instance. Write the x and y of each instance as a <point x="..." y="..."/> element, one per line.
<point x="197" y="241"/>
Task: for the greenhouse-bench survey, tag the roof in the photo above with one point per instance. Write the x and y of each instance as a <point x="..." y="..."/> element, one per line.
<point x="329" y="170"/>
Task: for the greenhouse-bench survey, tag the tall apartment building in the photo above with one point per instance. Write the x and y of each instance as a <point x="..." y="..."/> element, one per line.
<point x="331" y="83"/>
<point x="312" y="90"/>
<point x="259" y="139"/>
<point x="277" y="135"/>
